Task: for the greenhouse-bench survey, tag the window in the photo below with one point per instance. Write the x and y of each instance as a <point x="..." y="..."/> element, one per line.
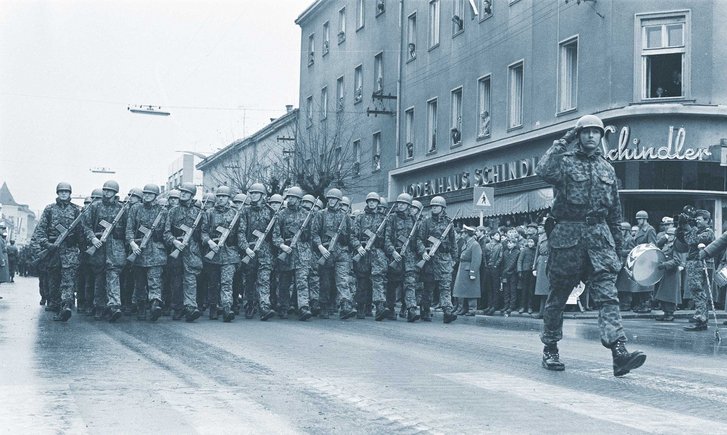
<point x="483" y="107"/>
<point x="515" y="95"/>
<point x="455" y="131"/>
<point x="358" y="84"/>
<point x="326" y="38"/>
<point x="432" y="125"/>
<point x="433" y="23"/>
<point x="568" y="75"/>
<point x="376" y="152"/>
<point x="360" y="14"/>
<point x="309" y="111"/>
<point x="458" y="17"/>
<point x="341" y="25"/>
<point x="356" y="157"/>
<point x="409" y="126"/>
<point x="485" y="9"/>
<point x="411" y="36"/>
<point x="379" y="73"/>
<point x="663" y="50"/>
<point x="311" y="49"/>
<point x="380" y="7"/>
<point x="339" y="94"/>
<point x="324" y="103"/>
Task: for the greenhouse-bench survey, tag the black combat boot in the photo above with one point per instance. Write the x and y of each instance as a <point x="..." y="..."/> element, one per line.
<point x="698" y="326"/>
<point x="266" y="312"/>
<point x="346" y="311"/>
<point x="382" y="312"/>
<point x="449" y="316"/>
<point x="426" y="315"/>
<point x="412" y="314"/>
<point x="115" y="314"/>
<point x="315" y="307"/>
<point x="155" y="311"/>
<point x="42" y="301"/>
<point x="249" y="310"/>
<point x="213" y="312"/>
<point x="283" y="312"/>
<point x="227" y="315"/>
<point x="141" y="311"/>
<point x="304" y="314"/>
<point x="625" y="361"/>
<point x="551" y="358"/>
<point x="192" y="313"/>
<point x="64" y="314"/>
<point x="360" y="311"/>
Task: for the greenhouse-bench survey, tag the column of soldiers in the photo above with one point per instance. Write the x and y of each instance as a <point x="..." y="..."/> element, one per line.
<point x="268" y="256"/>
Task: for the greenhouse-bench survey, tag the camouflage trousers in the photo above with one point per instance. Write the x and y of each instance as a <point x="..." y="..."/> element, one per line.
<point x="43" y="284"/>
<point x="371" y="280"/>
<point x="402" y="288"/>
<point x="107" y="286"/>
<point x="697" y="284"/>
<point x="566" y="268"/>
<point x="62" y="285"/>
<point x="189" y="285"/>
<point x="183" y="284"/>
<point x="219" y="280"/>
<point x="147" y="284"/>
<point x="335" y="280"/>
<point x="444" y="285"/>
<point x="257" y="281"/>
<point x="296" y="280"/>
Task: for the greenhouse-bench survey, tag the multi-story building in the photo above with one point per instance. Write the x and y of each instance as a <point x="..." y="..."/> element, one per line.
<point x="348" y="85"/>
<point x="182" y="170"/>
<point x="18" y="218"/>
<point x="484" y="96"/>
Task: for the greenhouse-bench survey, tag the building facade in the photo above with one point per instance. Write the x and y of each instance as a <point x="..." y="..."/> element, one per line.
<point x="182" y="170"/>
<point x="19" y="220"/>
<point x="483" y="96"/>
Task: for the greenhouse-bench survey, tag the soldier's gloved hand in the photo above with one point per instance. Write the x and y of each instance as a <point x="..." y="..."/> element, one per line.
<point x="135" y="248"/>
<point x="504" y="280"/>
<point x="472" y="275"/>
<point x="703" y="254"/>
<point x="250" y="253"/>
<point x="96" y="242"/>
<point x="179" y="245"/>
<point x="426" y="257"/>
<point x="213" y="246"/>
<point x="361" y="251"/>
<point x="324" y="252"/>
<point x="397" y="256"/>
<point x="285" y="248"/>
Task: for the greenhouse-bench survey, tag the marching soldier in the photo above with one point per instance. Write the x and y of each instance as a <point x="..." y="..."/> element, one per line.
<point x="238" y="281"/>
<point x="63" y="261"/>
<point x="126" y="279"/>
<point x="402" y="259"/>
<point x="295" y="270"/>
<point x="84" y="297"/>
<point x="275" y="201"/>
<point x="372" y="265"/>
<point x="172" y="201"/>
<point x="695" y="231"/>
<point x="256" y="218"/>
<point x="334" y="224"/>
<point x="149" y="260"/>
<point x="314" y="282"/>
<point x="437" y="271"/>
<point x="109" y="256"/>
<point x="224" y="256"/>
<point x="185" y="221"/>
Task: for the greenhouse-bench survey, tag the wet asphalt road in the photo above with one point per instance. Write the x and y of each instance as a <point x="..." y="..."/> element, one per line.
<point x="329" y="376"/>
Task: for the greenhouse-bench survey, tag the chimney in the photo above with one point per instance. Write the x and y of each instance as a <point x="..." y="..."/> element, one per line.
<point x="288" y="108"/>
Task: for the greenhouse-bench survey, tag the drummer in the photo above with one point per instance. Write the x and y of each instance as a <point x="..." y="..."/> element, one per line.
<point x="585" y="240"/>
<point x="645" y="233"/>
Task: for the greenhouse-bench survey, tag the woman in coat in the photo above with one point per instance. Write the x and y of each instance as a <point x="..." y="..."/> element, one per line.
<point x="670" y="286"/>
<point x="467" y="282"/>
<point x="540" y="263"/>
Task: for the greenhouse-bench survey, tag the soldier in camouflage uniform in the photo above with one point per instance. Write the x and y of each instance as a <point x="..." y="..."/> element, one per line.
<point x="109" y="257"/>
<point x="693" y="233"/>
<point x="314" y="282"/>
<point x="335" y="272"/>
<point x="62" y="263"/>
<point x="275" y="202"/>
<point x="126" y="278"/>
<point x="372" y="265"/>
<point x="256" y="218"/>
<point x="82" y="275"/>
<point x="402" y="261"/>
<point x="238" y="280"/>
<point x="167" y="270"/>
<point x="150" y="261"/>
<point x="437" y="271"/>
<point x="585" y="241"/>
<point x="188" y="265"/>
<point x="222" y="265"/>
<point x="296" y="268"/>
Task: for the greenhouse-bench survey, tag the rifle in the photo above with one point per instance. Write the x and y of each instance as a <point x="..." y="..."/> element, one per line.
<point x="224" y="233"/>
<point x="407" y="240"/>
<point x="334" y="240"/>
<point x="108" y="227"/>
<point x="373" y="236"/>
<point x="147" y="235"/>
<point x="63" y="235"/>
<point x="294" y="241"/>
<point x="437" y="242"/>
<point x="188" y="232"/>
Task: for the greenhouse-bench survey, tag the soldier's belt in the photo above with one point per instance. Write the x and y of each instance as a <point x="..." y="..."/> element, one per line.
<point x="588" y="220"/>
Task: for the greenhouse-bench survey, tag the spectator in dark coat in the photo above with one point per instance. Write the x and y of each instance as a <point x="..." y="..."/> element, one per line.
<point x="525" y="276"/>
<point x="509" y="277"/>
<point x="467" y="282"/>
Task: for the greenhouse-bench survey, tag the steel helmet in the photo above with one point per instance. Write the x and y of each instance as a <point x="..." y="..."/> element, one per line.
<point x="151" y="188"/>
<point x="589" y="121"/>
<point x="257" y="188"/>
<point x="416" y="204"/>
<point x="136" y="192"/>
<point x="276" y="199"/>
<point x="223" y="191"/>
<point x="294" y="191"/>
<point x="111" y="185"/>
<point x="318" y="203"/>
<point x="163" y="202"/>
<point x="641" y="214"/>
<point x="64" y="186"/>
<point x="96" y="194"/>
<point x="87" y="201"/>
<point x="404" y="197"/>
<point x="334" y="193"/>
<point x="174" y="193"/>
<point x="240" y="197"/>
<point x="373" y="195"/>
<point x="346" y="201"/>
<point x="189" y="188"/>
<point x="383" y="202"/>
<point x="209" y="197"/>
<point x="309" y="198"/>
<point x="438" y="200"/>
<point x="626" y="226"/>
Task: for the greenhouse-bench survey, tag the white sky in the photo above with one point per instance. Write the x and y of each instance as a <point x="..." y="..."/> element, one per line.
<point x="68" y="70"/>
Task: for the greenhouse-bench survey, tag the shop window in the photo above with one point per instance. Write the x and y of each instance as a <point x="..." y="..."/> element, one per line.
<point x="326" y="38"/>
<point x="433" y="23"/>
<point x="409" y="129"/>
<point x="360" y="14"/>
<point x="663" y="51"/>
<point x="455" y="132"/>
<point x="311" y="49"/>
<point x="379" y="73"/>
<point x="341" y="25"/>
<point x="339" y="94"/>
<point x="411" y="37"/>
<point x="483" y="107"/>
<point x="568" y="75"/>
<point x="432" y="126"/>
<point x="324" y="103"/>
<point x="515" y="95"/>
<point x="376" y="152"/>
<point x="358" y="84"/>
<point x="458" y="17"/>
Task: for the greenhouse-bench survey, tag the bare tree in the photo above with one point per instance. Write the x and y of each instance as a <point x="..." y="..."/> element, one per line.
<point x="252" y="165"/>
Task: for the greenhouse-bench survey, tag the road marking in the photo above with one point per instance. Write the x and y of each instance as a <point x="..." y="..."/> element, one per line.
<point x="633" y="415"/>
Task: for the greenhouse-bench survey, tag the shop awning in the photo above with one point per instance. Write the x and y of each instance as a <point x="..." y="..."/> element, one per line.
<point x="522" y="202"/>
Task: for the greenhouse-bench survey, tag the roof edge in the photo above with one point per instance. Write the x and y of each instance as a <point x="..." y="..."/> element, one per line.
<point x="309" y="11"/>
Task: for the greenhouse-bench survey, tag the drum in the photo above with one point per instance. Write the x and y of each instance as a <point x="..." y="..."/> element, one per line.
<point x="720" y="277"/>
<point x="642" y="264"/>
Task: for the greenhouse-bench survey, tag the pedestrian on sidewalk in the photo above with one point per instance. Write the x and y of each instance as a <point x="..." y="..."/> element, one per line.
<point x="542" y="284"/>
<point x="526" y="283"/>
<point x="510" y="276"/>
<point x="467" y="282"/>
<point x="669" y="293"/>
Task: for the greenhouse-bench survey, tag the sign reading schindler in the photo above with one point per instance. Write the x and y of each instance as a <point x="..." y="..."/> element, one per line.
<point x="674" y="148"/>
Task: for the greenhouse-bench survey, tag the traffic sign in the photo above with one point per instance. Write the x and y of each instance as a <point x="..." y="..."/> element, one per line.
<point x="483" y="197"/>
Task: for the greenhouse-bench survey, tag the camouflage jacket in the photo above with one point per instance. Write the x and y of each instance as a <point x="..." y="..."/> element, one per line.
<point x="113" y="250"/>
<point x="221" y="216"/>
<point x="693" y="236"/>
<point x="255" y="217"/>
<point x="288" y="223"/>
<point x="585" y="188"/>
<point x="326" y="225"/>
<point x="398" y="228"/>
<point x="441" y="263"/>
<point x="59" y="213"/>
<point x="154" y="254"/>
<point x="368" y="220"/>
<point x="185" y="214"/>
